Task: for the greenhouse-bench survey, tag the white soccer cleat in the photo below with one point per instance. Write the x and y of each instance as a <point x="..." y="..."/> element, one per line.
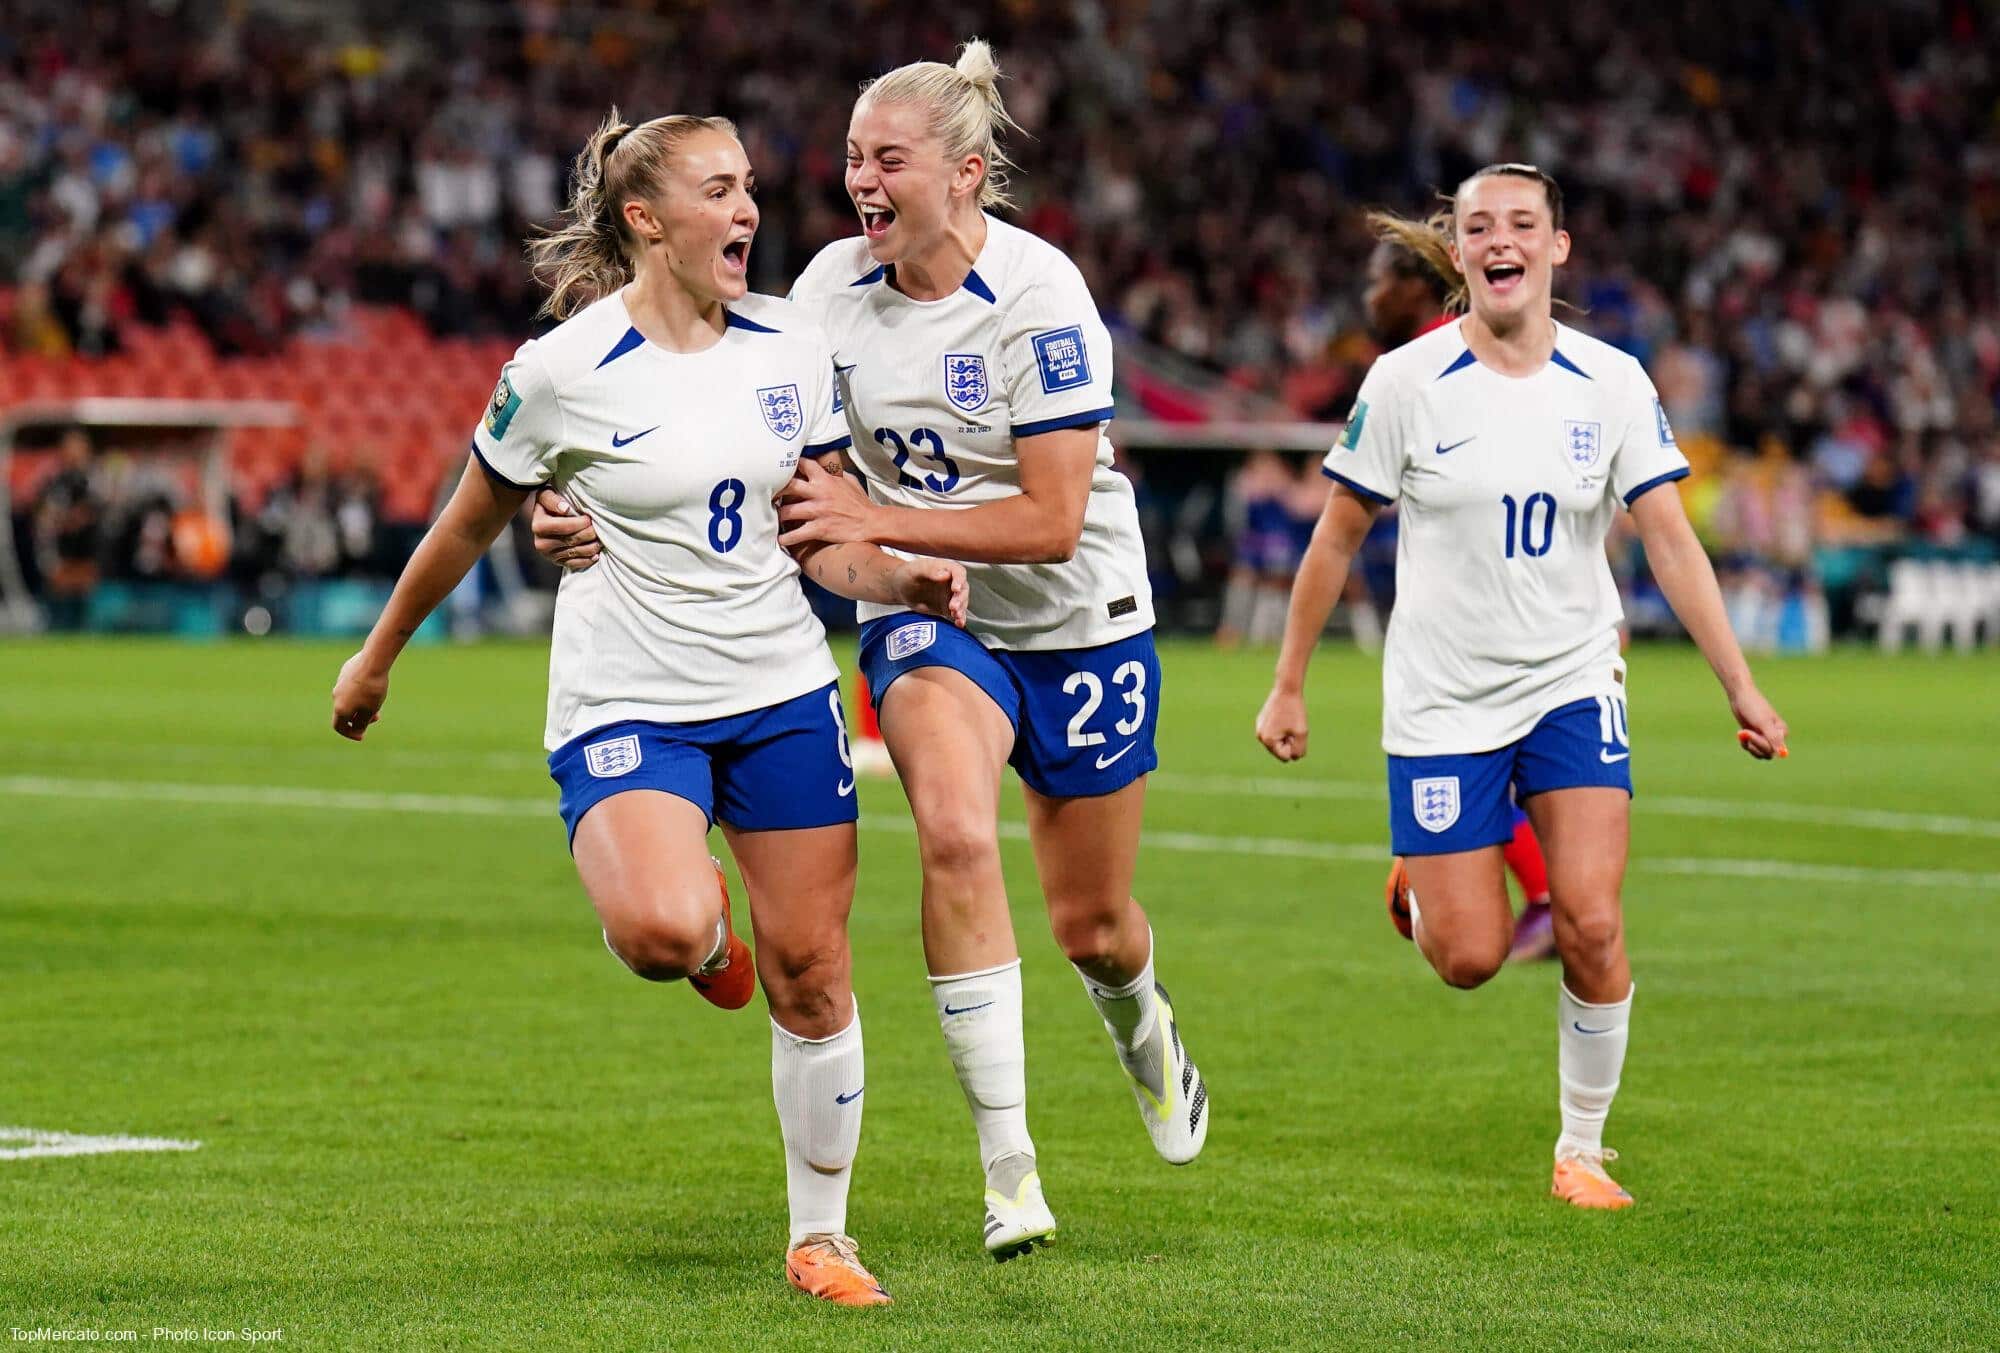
<point x="1017" y="1225"/>
<point x="1173" y="1098"/>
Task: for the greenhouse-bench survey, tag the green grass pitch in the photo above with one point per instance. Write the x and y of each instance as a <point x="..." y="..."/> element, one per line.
<point x="434" y="1113"/>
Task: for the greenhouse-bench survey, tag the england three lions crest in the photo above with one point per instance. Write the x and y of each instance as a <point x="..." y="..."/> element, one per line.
<point x="1434" y="802"/>
<point x="780" y="406"/>
<point x="965" y="381"/>
<point x="1583" y="443"/>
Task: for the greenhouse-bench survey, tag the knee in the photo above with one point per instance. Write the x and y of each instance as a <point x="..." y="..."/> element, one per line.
<point x="1087" y="930"/>
<point x="1469" y="966"/>
<point x="1590" y="938"/>
<point x="663" y="945"/>
<point x="958" y="844"/>
<point x="807" y="984"/>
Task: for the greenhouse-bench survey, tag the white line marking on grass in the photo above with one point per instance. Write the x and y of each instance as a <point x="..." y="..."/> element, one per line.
<point x="1198" y="843"/>
<point x="40" y="1143"/>
<point x="1811" y="814"/>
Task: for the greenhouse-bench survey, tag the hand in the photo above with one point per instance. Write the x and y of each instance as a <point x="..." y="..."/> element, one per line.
<point x="358" y="696"/>
<point x="823" y="505"/>
<point x="932" y="586"/>
<point x="563" y="535"/>
<point x="1763" y="734"/>
<point x="1281" y="724"/>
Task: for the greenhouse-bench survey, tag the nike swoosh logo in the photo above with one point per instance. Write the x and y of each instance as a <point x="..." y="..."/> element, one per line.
<point x="845" y="788"/>
<point x="840" y="370"/>
<point x="1442" y="448"/>
<point x="965" y="1009"/>
<point x="1607" y="758"/>
<point x="850" y="1097"/>
<point x="618" y="441"/>
<point x="1104" y="761"/>
<point x="1580" y="1029"/>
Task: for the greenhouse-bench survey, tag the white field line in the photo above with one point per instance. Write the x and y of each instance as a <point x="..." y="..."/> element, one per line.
<point x="40" y="1143"/>
<point x="1280" y="786"/>
<point x="1811" y="814"/>
<point x="1201" y="843"/>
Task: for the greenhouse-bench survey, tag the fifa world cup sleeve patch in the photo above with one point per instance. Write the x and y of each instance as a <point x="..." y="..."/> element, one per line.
<point x="910" y="639"/>
<point x="500" y="409"/>
<point x="1064" y="363"/>
<point x="1351" y="438"/>
<point x="613" y="757"/>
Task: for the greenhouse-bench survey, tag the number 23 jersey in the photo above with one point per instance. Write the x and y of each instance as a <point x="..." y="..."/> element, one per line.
<point x="938" y="392"/>
<point x="1505" y="606"/>
<point x="693" y="611"/>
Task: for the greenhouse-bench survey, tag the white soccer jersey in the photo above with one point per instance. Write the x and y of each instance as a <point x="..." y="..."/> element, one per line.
<point x="693" y="612"/>
<point x="937" y="392"/>
<point x="1505" y="607"/>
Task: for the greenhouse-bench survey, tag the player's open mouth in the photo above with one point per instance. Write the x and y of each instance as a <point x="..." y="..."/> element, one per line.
<point x="875" y="221"/>
<point x="1504" y="277"/>
<point x="736" y="254"/>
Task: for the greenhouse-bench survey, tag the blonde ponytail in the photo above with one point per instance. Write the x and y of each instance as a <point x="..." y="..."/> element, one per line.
<point x="963" y="106"/>
<point x="1429" y="241"/>
<point x="589" y="253"/>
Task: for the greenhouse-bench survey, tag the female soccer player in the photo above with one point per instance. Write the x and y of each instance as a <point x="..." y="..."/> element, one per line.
<point x="977" y="379"/>
<point x="1405" y="299"/>
<point x="688" y="681"/>
<point x="1509" y="439"/>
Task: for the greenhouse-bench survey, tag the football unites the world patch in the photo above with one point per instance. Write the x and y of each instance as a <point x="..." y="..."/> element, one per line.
<point x="782" y="413"/>
<point x="1666" y="428"/>
<point x="965" y="381"/>
<point x="613" y="757"/>
<point x="1583" y="443"/>
<point x="912" y="638"/>
<point x="1434" y="802"/>
<point x="501" y="408"/>
<point x="1062" y="359"/>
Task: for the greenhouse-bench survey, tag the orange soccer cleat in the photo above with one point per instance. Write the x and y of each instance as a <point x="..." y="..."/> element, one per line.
<point x="1580" y="1181"/>
<point x="733" y="984"/>
<point x="826" y="1266"/>
<point x="1396" y="892"/>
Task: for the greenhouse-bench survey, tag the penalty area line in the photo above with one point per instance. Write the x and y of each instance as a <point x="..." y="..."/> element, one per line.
<point x="1197" y="843"/>
<point x="23" y="1143"/>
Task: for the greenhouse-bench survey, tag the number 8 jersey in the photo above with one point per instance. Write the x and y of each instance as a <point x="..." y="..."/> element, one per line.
<point x="1505" y="606"/>
<point x="693" y="611"/>
<point x="937" y="393"/>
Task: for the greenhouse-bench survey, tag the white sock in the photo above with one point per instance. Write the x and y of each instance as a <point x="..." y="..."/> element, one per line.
<point x="817" y="1084"/>
<point x="980" y="1016"/>
<point x="1590" y="1054"/>
<point x="1130" y="1016"/>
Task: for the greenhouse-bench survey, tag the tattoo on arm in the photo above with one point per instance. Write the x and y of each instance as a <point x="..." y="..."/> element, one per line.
<point x="852" y="574"/>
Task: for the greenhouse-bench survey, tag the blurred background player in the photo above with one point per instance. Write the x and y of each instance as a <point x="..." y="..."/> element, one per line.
<point x="1510" y="439"/>
<point x="689" y="683"/>
<point x="1407" y="298"/>
<point x="977" y="377"/>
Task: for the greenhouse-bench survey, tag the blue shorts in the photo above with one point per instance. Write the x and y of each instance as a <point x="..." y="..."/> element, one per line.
<point x="779" y="768"/>
<point x="1439" y="805"/>
<point x="1083" y="718"/>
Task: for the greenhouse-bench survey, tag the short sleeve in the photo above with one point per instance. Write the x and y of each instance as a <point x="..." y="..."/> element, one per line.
<point x="1056" y="355"/>
<point x="519" y="437"/>
<point x="829" y="426"/>
<point x="1645" y="455"/>
<point x="1368" y="458"/>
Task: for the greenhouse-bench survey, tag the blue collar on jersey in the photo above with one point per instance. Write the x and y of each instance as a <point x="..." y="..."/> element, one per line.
<point x="632" y="338"/>
<point x="973" y="283"/>
<point x="1466" y="359"/>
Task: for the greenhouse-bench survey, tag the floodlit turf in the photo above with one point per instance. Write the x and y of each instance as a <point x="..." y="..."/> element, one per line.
<point x="434" y="1113"/>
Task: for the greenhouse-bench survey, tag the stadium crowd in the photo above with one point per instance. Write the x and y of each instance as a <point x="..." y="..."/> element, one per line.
<point x="1790" y="212"/>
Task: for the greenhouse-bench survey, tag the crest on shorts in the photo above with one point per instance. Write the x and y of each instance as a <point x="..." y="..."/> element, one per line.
<point x="780" y="406"/>
<point x="1582" y="443"/>
<point x="965" y="380"/>
<point x="613" y="757"/>
<point x="911" y="638"/>
<point x="1435" y="802"/>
